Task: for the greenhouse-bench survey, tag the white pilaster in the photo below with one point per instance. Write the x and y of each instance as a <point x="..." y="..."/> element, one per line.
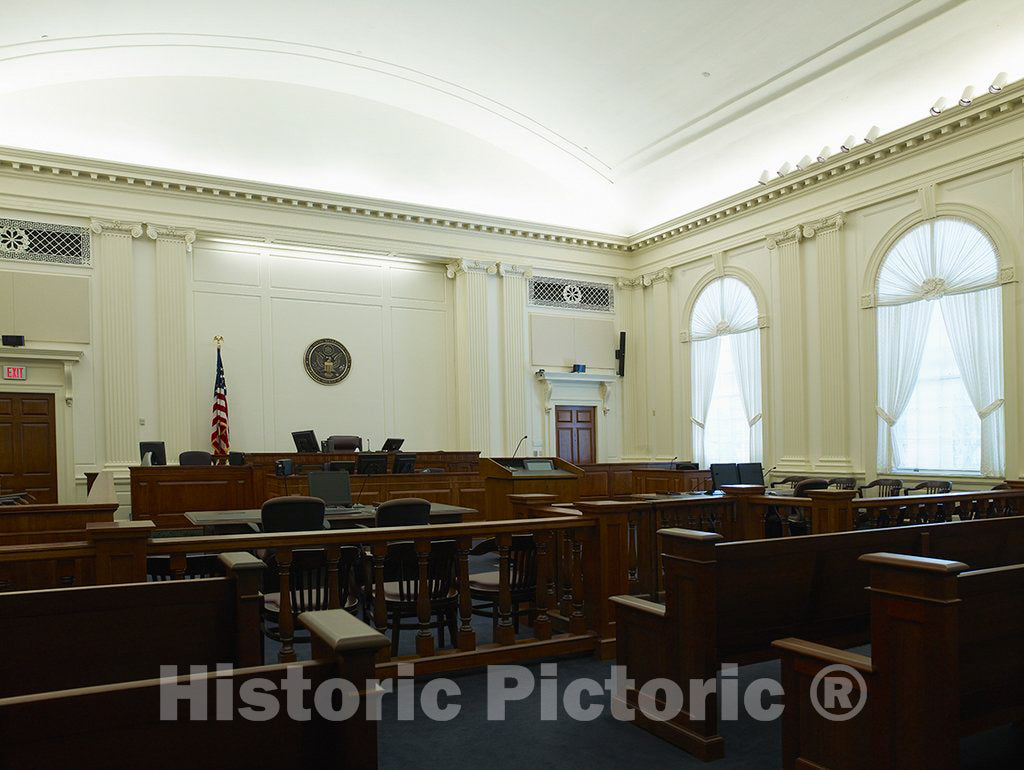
<point x="659" y="364"/>
<point x="472" y="359"/>
<point x="832" y="355"/>
<point x="112" y="250"/>
<point x="174" y="403"/>
<point x="514" y="296"/>
<point x="792" y="429"/>
<point x="634" y="384"/>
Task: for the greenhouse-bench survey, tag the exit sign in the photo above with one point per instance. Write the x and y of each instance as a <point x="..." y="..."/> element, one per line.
<point x="15" y="373"/>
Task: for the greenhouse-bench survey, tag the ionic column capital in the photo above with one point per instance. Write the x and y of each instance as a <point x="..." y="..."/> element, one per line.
<point x="467" y="266"/>
<point x="100" y="226"/>
<point x="171" y="233"/>
<point x="661" y="276"/>
<point x="827" y="224"/>
<point x="509" y="269"/>
<point x="784" y="238"/>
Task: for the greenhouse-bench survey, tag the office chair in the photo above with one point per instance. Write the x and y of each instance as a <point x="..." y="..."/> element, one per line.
<point x="798" y="523"/>
<point x="236" y="458"/>
<point x="195" y="457"/>
<point x="296" y="513"/>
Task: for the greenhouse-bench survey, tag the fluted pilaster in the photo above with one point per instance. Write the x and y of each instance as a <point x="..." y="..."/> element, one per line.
<point x="659" y="364"/>
<point x="832" y="354"/>
<point x="514" y="297"/>
<point x="174" y="402"/>
<point x="792" y="429"/>
<point x="634" y="384"/>
<point x="112" y="251"/>
<point x="472" y="360"/>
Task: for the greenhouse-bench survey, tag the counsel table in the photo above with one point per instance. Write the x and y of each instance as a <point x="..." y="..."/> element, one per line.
<point x="440" y="513"/>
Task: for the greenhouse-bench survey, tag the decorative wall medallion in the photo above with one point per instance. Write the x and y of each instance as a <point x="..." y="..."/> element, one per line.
<point x="572" y="294"/>
<point x="327" y="361"/>
<point x="13" y="239"/>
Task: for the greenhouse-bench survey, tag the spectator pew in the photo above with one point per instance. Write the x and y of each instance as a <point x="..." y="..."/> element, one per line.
<point x="726" y="602"/>
<point x="945" y="663"/>
<point x="80" y="696"/>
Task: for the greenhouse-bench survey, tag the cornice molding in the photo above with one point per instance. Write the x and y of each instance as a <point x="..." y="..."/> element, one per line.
<point x="466" y="266"/>
<point x="100" y="226"/>
<point x="172" y="233"/>
<point x="784" y="238"/>
<point x="831" y="223"/>
<point x="508" y="269"/>
<point x="986" y="110"/>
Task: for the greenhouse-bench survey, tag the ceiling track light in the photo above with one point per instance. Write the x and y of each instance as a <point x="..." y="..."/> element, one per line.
<point x="785" y="169"/>
<point x="848" y="143"/>
<point x="872" y="135"/>
<point x="999" y="83"/>
<point x="939" y="106"/>
<point x="804" y="162"/>
<point x="766" y="177"/>
<point x="967" y="96"/>
<point x="825" y="154"/>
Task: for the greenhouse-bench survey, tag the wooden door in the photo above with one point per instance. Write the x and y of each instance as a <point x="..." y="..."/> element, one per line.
<point x="28" y="445"/>
<point x="575" y="429"/>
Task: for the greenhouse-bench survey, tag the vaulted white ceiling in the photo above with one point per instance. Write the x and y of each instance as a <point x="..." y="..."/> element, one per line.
<point x="603" y="115"/>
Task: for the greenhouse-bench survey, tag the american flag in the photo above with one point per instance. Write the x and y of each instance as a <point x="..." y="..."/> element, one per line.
<point x="219" y="438"/>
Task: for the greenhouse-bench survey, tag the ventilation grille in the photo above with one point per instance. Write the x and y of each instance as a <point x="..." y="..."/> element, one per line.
<point x="572" y="295"/>
<point x="39" y="242"/>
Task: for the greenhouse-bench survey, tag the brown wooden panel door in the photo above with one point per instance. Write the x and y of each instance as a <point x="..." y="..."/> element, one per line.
<point x="575" y="430"/>
<point x="28" y="445"/>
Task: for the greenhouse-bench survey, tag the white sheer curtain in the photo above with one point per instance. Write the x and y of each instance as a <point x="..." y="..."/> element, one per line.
<point x="747" y="350"/>
<point x="901" y="338"/>
<point x="953" y="261"/>
<point x="974" y="323"/>
<point x="726" y="306"/>
<point x="703" y="368"/>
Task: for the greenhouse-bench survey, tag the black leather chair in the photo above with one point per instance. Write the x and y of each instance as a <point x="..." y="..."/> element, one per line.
<point x="796" y="521"/>
<point x="296" y="513"/>
<point x="403" y="512"/>
<point x="195" y="457"/>
<point x="236" y="458"/>
<point x="344" y="444"/>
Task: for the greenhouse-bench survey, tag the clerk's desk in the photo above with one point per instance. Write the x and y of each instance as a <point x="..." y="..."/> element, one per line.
<point x="356" y="515"/>
<point x="504" y="476"/>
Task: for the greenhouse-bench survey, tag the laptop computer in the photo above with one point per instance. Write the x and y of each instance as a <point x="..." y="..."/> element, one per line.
<point x="333" y="488"/>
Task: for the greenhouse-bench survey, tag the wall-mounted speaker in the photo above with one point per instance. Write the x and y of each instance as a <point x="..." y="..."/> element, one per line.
<point x="620" y="354"/>
<point x="14" y="340"/>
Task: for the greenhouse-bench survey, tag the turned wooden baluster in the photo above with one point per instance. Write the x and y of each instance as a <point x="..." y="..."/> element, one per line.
<point x="542" y="623"/>
<point x="577" y="622"/>
<point x="467" y="636"/>
<point x="424" y="639"/>
<point x="178" y="566"/>
<point x="506" y="633"/>
<point x="333" y="553"/>
<point x="632" y="555"/>
<point x="285" y="621"/>
<point x="565" y="573"/>
<point x="380" y="607"/>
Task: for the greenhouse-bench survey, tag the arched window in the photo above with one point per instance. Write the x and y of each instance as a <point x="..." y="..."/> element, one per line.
<point x="725" y="367"/>
<point x="940" y="352"/>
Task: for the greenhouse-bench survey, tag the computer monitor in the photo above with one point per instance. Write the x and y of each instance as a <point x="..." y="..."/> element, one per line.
<point x="332" y="487"/>
<point x="751" y="473"/>
<point x="404" y="463"/>
<point x="371" y="463"/>
<point x="349" y="466"/>
<point x="538" y="464"/>
<point x="724" y="473"/>
<point x="156" y="450"/>
<point x="305" y="441"/>
<point x="392" y="445"/>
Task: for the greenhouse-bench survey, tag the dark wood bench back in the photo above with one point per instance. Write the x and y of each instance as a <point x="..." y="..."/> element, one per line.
<point x="76" y="637"/>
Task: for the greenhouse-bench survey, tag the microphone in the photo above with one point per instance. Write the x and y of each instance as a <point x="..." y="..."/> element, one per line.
<point x="764" y="476"/>
<point x="517" y="446"/>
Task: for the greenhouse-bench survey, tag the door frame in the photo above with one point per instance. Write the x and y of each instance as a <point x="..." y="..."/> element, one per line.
<point x="551" y="431"/>
<point x="50" y="374"/>
<point x="593" y="425"/>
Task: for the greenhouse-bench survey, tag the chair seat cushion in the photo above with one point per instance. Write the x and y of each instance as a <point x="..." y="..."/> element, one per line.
<point x="484" y="581"/>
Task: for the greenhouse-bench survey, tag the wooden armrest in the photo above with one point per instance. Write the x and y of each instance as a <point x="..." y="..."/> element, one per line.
<point x="691" y="534"/>
<point x="919" y="563"/>
<point x="239" y="560"/>
<point x="640" y="605"/>
<point x="490" y="545"/>
<point x="341" y="631"/>
<point x="825" y="654"/>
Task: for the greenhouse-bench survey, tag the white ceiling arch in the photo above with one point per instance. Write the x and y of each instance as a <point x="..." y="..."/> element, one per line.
<point x="594" y="114"/>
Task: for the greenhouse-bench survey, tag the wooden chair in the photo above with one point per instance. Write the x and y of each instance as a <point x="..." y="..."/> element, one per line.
<point x="522" y="580"/>
<point x="198" y="565"/>
<point x="886" y="487"/>
<point x="843" y="482"/>
<point x="792" y="480"/>
<point x="796" y="521"/>
<point x="931" y="487"/>
<point x="402" y="588"/>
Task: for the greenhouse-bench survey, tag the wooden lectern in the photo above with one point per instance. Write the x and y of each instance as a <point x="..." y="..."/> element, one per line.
<point x="504" y="476"/>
